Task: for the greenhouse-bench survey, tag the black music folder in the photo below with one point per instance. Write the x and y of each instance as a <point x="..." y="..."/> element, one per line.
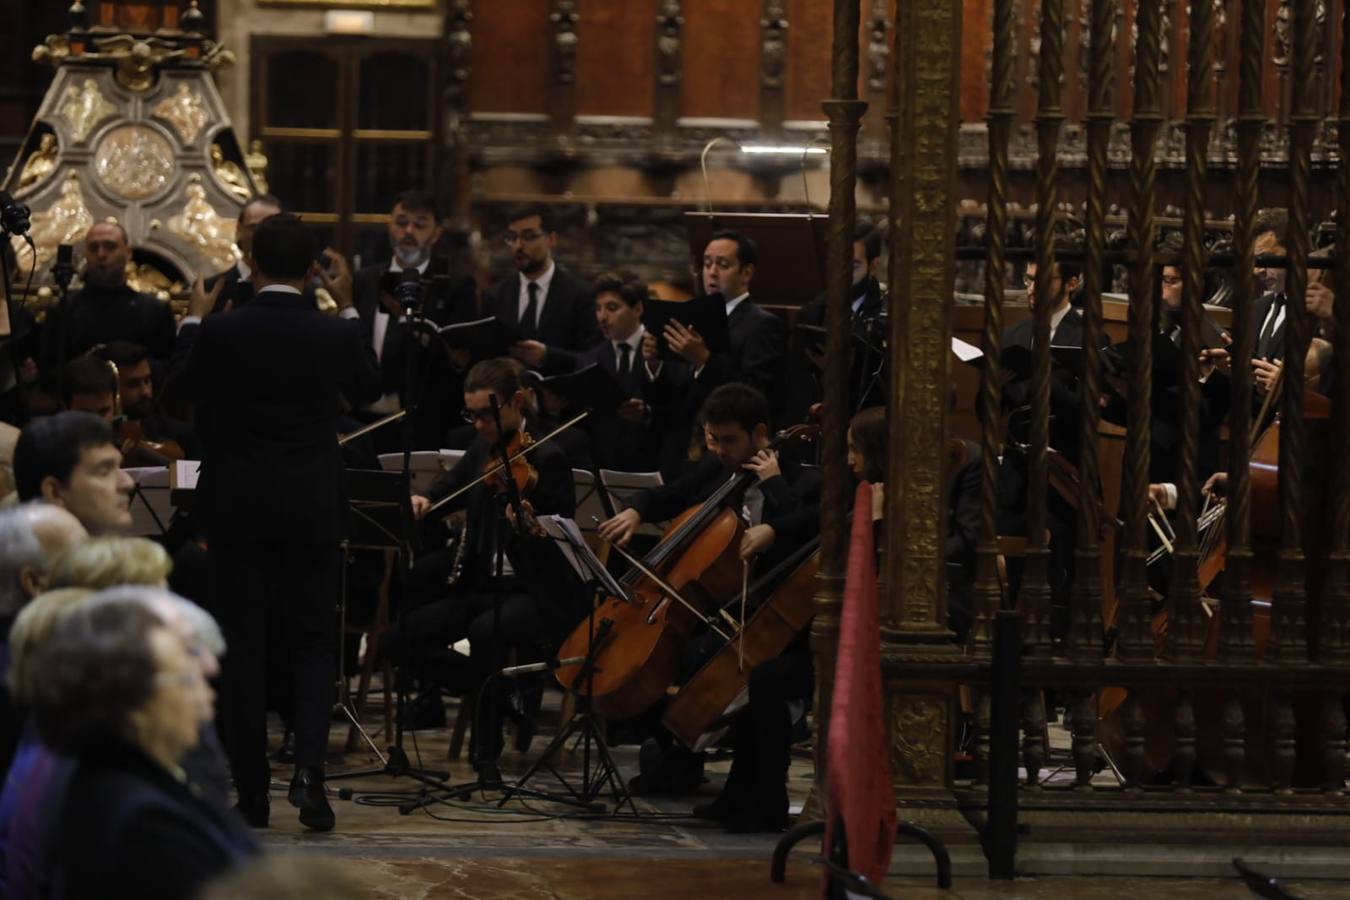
<point x="707" y="315"/>
<point x="488" y="337"/>
<point x="591" y="387"/>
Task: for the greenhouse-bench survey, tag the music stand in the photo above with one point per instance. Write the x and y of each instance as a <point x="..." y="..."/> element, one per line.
<point x="579" y="555"/>
<point x="379" y="517"/>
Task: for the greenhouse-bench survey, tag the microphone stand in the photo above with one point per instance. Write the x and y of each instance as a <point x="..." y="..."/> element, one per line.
<point x="395" y="762"/>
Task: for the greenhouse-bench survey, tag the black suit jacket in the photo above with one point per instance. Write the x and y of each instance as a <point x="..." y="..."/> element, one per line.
<point x="787" y="498"/>
<point x="1064" y="396"/>
<point x="1260" y="309"/>
<point x="566" y="324"/>
<point x="101" y="315"/>
<point x="758" y="353"/>
<point x="536" y="561"/>
<point x="627" y="446"/>
<point x="130" y="829"/>
<point x="236" y="292"/>
<point x="268" y="383"/>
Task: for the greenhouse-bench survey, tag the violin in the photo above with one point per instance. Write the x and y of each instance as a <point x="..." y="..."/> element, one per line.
<point x="137" y="449"/>
<point x="525" y="476"/>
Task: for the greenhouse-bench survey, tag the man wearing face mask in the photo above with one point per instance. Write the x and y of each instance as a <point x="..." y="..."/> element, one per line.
<point x="414" y="230"/>
<point x="106" y="309"/>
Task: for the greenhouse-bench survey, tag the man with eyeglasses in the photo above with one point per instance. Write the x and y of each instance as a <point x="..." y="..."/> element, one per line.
<point x="552" y="310"/>
<point x="414" y="229"/>
<point x="515" y="589"/>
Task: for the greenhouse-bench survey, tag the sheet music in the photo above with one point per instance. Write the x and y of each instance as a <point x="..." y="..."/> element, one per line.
<point x="966" y="351"/>
<point x="183" y="476"/>
<point x="578" y="554"/>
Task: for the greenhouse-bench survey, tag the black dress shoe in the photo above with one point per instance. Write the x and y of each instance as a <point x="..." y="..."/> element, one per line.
<point x="308" y="796"/>
<point x="254" y="809"/>
<point x="427" y="711"/>
<point x="488" y="774"/>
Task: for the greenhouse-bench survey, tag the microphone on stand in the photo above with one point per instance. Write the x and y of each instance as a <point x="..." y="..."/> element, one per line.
<point x="531" y="668"/>
<point x="13" y="215"/>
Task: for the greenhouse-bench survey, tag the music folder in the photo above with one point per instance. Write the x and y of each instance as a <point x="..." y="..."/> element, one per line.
<point x="488" y="337"/>
<point x="591" y="387"/>
<point x="707" y="315"/>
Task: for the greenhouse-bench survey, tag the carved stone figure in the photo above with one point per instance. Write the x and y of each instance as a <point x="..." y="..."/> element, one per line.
<point x="40" y="164"/>
<point x="84" y="107"/>
<point x="183" y="110"/>
<point x="65" y="222"/>
<point x="201" y="227"/>
<point x="230" y="176"/>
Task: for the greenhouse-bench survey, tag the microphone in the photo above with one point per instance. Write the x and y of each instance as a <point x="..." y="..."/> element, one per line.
<point x="13" y="215"/>
<point x="531" y="668"/>
<point x="63" y="270"/>
<point x="601" y="631"/>
<point x="409" y="288"/>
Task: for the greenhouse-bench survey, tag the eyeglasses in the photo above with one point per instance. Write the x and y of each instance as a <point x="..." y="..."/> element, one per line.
<point x="476" y="415"/>
<point x="1029" y="281"/>
<point x="1171" y="280"/>
<point x="524" y="237"/>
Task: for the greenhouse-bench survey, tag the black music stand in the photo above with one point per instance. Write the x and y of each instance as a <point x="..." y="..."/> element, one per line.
<point x="601" y="771"/>
<point x="379" y="517"/>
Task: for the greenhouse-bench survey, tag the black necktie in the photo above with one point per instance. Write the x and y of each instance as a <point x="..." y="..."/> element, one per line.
<point x="528" y="322"/>
<point x="625" y="359"/>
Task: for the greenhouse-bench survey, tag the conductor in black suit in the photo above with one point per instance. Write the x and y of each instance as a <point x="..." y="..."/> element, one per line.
<point x="552" y="309"/>
<point x="268" y="384"/>
<point x="414" y="231"/>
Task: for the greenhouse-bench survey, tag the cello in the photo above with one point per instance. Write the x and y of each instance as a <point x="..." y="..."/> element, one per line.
<point x="672" y="589"/>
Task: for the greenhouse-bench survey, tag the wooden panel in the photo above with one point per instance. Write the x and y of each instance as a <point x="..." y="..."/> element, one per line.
<point x="615" y="50"/>
<point x="720" y="59"/>
<point x="512" y="57"/>
<point x="976" y="46"/>
<point x="807" y="81"/>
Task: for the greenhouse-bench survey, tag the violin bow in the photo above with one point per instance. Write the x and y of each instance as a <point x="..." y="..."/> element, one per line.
<point x="499" y="466"/>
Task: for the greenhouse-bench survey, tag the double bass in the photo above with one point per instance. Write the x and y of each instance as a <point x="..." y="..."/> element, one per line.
<point x="673" y="590"/>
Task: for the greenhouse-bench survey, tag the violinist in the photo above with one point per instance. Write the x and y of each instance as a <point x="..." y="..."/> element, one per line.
<point x="515" y="590"/>
<point x="141" y="414"/>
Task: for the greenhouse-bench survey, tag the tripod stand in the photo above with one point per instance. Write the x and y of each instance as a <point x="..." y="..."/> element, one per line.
<point x="600" y="771"/>
<point x="380" y="518"/>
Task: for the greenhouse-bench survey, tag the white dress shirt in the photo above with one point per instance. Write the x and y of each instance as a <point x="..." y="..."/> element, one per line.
<point x="543" y="281"/>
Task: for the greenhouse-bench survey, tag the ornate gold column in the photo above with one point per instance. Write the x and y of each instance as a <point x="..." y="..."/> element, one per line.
<point x="844" y="111"/>
<point x="920" y="708"/>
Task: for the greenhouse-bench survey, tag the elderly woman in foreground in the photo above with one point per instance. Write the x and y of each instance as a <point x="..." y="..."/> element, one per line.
<point x="121" y="694"/>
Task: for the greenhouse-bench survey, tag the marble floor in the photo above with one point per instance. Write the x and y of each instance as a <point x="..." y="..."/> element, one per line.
<point x="530" y="848"/>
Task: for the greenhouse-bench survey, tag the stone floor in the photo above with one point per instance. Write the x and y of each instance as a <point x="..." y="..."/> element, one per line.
<point x="479" y="848"/>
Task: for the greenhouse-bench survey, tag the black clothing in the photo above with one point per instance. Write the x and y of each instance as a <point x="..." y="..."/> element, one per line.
<point x="535" y="599"/>
<point x="131" y="829"/>
<point x="20" y="344"/>
<point x="963" y="534"/>
<point x="802" y="380"/>
<point x="758" y="354"/>
<point x="268" y="382"/>
<point x="99" y="315"/>
<point x="762" y="734"/>
<point x="236" y="293"/>
<point x="789" y="502"/>
<point x="1270" y="341"/>
<point x="566" y="326"/>
<point x="625" y="446"/>
<point x="437" y="386"/>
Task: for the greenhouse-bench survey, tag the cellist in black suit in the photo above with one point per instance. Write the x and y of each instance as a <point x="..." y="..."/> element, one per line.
<point x="268" y="383"/>
<point x="550" y="307"/>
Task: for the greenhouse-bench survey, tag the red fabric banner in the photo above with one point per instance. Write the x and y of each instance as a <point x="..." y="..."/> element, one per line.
<point x="860" y="796"/>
